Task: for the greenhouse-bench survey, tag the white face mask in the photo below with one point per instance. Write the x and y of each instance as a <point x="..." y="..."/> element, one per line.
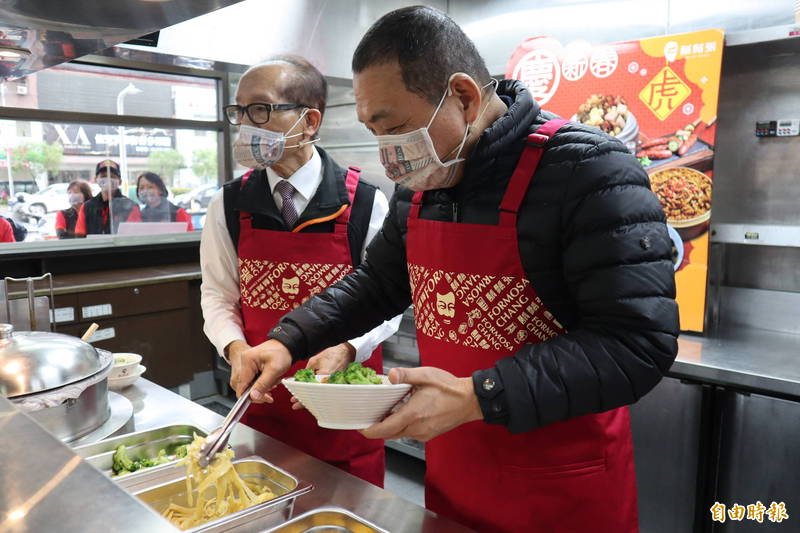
<point x="410" y="159"/>
<point x="260" y="148"/>
<point x="75" y="198"/>
<point x="149" y="197"/>
<point x="108" y="184"/>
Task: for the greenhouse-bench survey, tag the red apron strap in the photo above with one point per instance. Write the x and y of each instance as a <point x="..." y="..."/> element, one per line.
<point x="245" y="177"/>
<point x="525" y="169"/>
<point x="351" y="183"/>
<point x="416" y="204"/>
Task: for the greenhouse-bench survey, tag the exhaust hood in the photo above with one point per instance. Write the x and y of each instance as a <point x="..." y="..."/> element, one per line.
<point x="36" y="34"/>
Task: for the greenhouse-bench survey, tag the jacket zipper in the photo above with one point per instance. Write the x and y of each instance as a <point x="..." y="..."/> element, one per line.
<point x="455" y="212"/>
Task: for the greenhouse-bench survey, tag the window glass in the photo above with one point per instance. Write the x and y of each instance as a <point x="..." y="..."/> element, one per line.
<point x="114" y="91"/>
<point x="38" y="160"/>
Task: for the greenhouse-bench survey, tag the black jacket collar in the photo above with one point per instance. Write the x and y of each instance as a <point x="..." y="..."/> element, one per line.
<point x="331" y="194"/>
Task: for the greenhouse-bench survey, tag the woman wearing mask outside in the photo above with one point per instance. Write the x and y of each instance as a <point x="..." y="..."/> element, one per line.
<point x="78" y="192"/>
<point x="153" y="194"/>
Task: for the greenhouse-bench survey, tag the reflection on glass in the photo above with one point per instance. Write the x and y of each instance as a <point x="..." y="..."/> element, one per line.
<point x="103" y="214"/>
<point x="157" y="208"/>
<point x="40" y="160"/>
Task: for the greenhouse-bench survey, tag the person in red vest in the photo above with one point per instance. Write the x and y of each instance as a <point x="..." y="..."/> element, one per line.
<point x="104" y="213"/>
<point x="79" y="192"/>
<point x="6" y="231"/>
<point x="152" y="192"/>
<point x="539" y="265"/>
<point x="295" y="223"/>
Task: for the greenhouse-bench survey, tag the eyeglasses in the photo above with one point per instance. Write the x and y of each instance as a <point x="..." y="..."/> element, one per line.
<point x="257" y="112"/>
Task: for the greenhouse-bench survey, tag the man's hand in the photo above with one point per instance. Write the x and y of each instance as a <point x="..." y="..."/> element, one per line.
<point x="233" y="352"/>
<point x="327" y="362"/>
<point x="439" y="402"/>
<point x="271" y="360"/>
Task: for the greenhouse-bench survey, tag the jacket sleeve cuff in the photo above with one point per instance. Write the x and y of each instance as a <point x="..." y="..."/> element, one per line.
<point x="291" y="337"/>
<point x="491" y="396"/>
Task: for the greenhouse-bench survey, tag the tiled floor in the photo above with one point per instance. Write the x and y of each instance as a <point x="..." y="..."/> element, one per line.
<point x="404" y="474"/>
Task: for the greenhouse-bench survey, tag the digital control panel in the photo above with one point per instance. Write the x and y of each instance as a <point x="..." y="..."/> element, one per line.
<point x="783" y="127"/>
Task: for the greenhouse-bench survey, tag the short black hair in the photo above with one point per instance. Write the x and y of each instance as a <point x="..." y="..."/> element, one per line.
<point x="309" y="87"/>
<point x="153" y="178"/>
<point x="427" y="44"/>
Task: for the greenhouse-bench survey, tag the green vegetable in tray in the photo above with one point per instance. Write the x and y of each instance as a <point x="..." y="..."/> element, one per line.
<point x="645" y="161"/>
<point x="305" y="374"/>
<point x="181" y="451"/>
<point x="122" y="464"/>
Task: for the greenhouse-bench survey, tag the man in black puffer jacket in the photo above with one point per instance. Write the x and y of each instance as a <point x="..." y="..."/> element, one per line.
<point x="531" y="429"/>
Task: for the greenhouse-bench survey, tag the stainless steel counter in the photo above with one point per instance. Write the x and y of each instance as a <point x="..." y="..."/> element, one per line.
<point x="751" y="359"/>
<point x="156" y="406"/>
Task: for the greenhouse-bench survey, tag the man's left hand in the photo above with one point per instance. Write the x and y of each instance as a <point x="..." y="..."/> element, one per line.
<point x="327" y="362"/>
<point x="439" y="402"/>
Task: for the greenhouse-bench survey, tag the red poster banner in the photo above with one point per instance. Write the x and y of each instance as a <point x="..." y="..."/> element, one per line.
<point x="659" y="97"/>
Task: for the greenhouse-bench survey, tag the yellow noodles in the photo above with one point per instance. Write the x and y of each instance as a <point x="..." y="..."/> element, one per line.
<point x="220" y="491"/>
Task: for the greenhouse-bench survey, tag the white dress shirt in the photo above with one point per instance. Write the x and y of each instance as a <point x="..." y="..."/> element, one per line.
<point x="219" y="263"/>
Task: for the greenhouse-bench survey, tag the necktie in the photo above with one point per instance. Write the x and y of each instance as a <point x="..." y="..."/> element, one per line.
<point x="288" y="210"/>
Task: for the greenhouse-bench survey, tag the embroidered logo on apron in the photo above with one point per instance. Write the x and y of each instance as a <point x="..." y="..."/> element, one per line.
<point x="478" y="311"/>
<point x="278" y="285"/>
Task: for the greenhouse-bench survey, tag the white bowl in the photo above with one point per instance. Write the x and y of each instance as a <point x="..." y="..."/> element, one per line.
<point x="337" y="406"/>
<point x="127" y="380"/>
<point x="125" y="364"/>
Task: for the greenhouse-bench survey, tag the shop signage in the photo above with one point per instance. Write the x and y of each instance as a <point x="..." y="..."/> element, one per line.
<point x="92" y="139"/>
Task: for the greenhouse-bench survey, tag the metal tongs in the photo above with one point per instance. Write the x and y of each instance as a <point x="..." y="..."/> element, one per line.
<point x="218" y="439"/>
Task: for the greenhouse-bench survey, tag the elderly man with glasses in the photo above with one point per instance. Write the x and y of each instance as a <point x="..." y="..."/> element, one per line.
<point x="294" y="224"/>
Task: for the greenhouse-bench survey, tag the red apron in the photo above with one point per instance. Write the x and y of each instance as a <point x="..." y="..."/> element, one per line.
<point x="473" y="304"/>
<point x="278" y="270"/>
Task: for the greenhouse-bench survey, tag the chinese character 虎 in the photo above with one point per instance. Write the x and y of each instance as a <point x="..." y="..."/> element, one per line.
<point x="777" y="512"/>
<point x="711" y="46"/>
<point x="665" y="93"/>
<point x="718" y="512"/>
<point x="686" y="49"/>
<point x="756" y="512"/>
<point x="736" y="512"/>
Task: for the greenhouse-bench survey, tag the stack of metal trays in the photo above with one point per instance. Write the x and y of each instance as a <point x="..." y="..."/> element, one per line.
<point x="161" y="485"/>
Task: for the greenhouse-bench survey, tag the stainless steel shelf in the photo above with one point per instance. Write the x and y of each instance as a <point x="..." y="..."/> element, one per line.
<point x="772" y="33"/>
<point x="406" y="448"/>
<point x="756" y="234"/>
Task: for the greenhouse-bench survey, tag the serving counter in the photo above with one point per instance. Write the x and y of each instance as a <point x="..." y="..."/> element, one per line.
<point x="91" y="492"/>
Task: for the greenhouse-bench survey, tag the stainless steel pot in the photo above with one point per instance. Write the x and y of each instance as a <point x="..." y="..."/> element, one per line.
<point x="59" y="380"/>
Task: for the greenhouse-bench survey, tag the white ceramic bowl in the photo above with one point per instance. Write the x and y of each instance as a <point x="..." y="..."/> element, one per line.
<point x="338" y="406"/>
<point x="124" y="364"/>
<point x="127" y="380"/>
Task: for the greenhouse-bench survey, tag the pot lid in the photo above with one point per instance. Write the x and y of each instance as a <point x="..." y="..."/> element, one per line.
<point x="36" y="361"/>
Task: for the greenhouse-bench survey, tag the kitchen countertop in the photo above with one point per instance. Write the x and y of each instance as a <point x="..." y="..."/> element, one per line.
<point x="156" y="406"/>
<point x="750" y="359"/>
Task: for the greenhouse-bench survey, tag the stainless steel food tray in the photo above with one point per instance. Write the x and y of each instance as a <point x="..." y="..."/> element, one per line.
<point x="139" y="444"/>
<point x="328" y="520"/>
<point x="286" y="487"/>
